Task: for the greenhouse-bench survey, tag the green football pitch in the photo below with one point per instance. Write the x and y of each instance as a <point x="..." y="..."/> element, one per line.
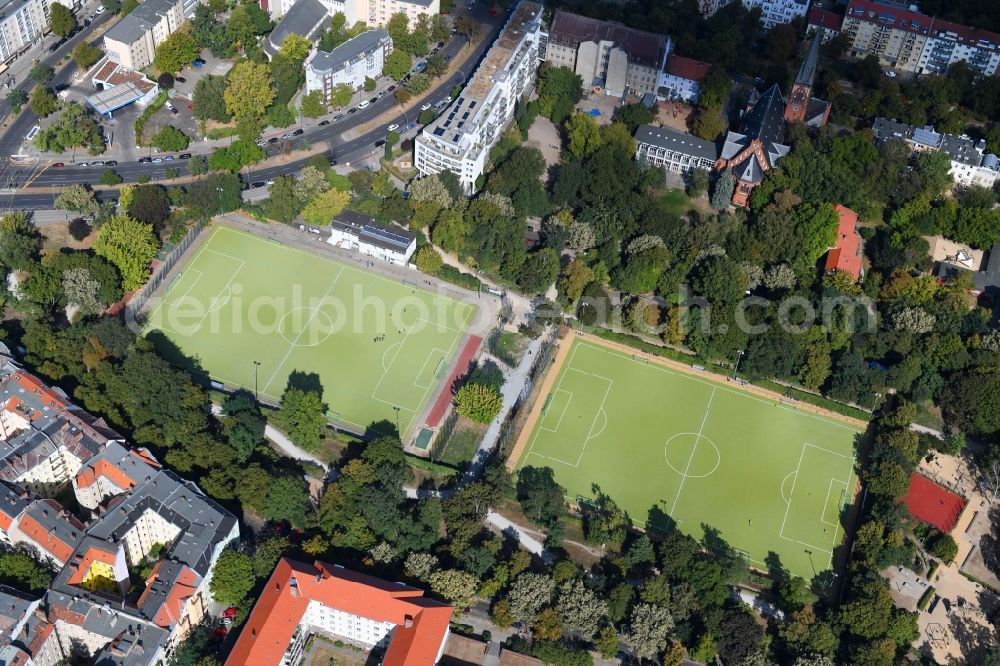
<point x="769" y="477"/>
<point x="380" y="346"/>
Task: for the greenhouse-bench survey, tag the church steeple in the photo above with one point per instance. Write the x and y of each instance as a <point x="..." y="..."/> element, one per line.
<point x="798" y="100"/>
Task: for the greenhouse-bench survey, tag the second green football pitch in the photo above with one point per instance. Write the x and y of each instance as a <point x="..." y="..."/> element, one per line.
<point x="252" y="312"/>
<point x="769" y="477"/>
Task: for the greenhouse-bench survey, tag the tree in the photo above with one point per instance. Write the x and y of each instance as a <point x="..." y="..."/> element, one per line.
<point x="214" y="195"/>
<point x="128" y="6"/>
<point x="739" y="636"/>
<point x="61" y="19"/>
<point x="457" y="587"/>
<point x="712" y="94"/>
<point x="971" y="403"/>
<point x="528" y="594"/>
<point x="341" y="95"/>
<point x="150" y="205"/>
<point x="607" y="642"/>
<point x="943" y="547"/>
<point x="41" y="73"/>
<point x="468" y="28"/>
<point x="249" y="90"/>
<point x="85" y="54"/>
<point x="78" y="199"/>
<point x="17" y="98"/>
<point x="559" y="89"/>
<point x="633" y="115"/>
<point x="402" y="96"/>
<point x="110" y="177"/>
<point x="232" y="578"/>
<point x="420" y="565"/>
<point x="709" y="124"/>
<point x="428" y="260"/>
<point x="722" y="195"/>
<point x="538" y="271"/>
<point x="540" y="496"/>
<point x="648" y="630"/>
<point x="170" y="139"/>
<point x="42" y="102"/>
<point x="165" y="81"/>
<point x="303" y="417"/>
<point x="314" y="104"/>
<point x="79" y="229"/>
<point x="605" y="522"/>
<point x="209" y="99"/>
<point x="478" y="402"/>
<point x="130" y="245"/>
<point x="418" y="84"/>
<point x="321" y="210"/>
<point x="176" y="51"/>
<point x="397" y="64"/>
<point x="581" y="610"/>
<point x="283" y="203"/>
<point x="74" y="127"/>
<point x="697" y="183"/>
<point x="82" y="290"/>
<point x="288" y="499"/>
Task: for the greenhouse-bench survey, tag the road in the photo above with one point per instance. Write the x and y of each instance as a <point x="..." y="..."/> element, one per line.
<point x="343" y="150"/>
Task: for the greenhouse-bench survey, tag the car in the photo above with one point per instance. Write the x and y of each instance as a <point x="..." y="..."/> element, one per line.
<point x="270" y="181"/>
<point x="393" y="127"/>
<point x="257" y="184"/>
<point x="287" y="135"/>
<point x="168" y="105"/>
<point x="337" y="117"/>
<point x="273" y="140"/>
<point x="333" y="162"/>
<point x="174" y="111"/>
<point x="100" y="10"/>
<point x="86" y="23"/>
<point x="83" y="164"/>
<point x="168" y="158"/>
<point x="421" y="66"/>
<point x="31" y="133"/>
<point x="184" y="156"/>
<point x="111" y="163"/>
<point x="298" y="132"/>
<point x="379" y="143"/>
<point x="324" y="123"/>
<point x="180" y="79"/>
<point x="262" y="143"/>
<point x="365" y="103"/>
<point x="425" y="106"/>
<point x="61" y="87"/>
<point x="98" y="163"/>
<point x="58" y="165"/>
<point x="145" y="160"/>
<point x="890" y="73"/>
<point x="449" y="99"/>
<point x="350" y="111"/>
<point x="157" y="160"/>
<point x="390" y="88"/>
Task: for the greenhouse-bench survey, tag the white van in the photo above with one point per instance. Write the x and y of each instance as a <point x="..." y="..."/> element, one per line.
<point x="31" y="133"/>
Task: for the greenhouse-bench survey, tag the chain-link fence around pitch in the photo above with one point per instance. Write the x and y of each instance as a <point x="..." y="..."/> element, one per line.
<point x="159" y="275"/>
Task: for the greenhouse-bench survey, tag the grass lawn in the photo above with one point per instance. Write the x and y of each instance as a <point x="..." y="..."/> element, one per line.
<point x="675" y="202"/>
<point x="662" y="443"/>
<point x="463" y="443"/>
<point x="253" y="312"/>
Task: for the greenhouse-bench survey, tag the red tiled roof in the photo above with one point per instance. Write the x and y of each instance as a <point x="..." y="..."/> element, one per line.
<point x="91" y="555"/>
<point x="844" y="255"/>
<point x="183" y="589"/>
<point x="89" y="475"/>
<point x="825" y="19"/>
<point x="33" y="385"/>
<point x="640" y="45"/>
<point x="421" y="623"/>
<point x="48" y="542"/>
<point x="687" y="68"/>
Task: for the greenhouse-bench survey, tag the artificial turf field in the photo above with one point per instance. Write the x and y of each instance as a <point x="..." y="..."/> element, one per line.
<point x="242" y="298"/>
<point x="767" y="476"/>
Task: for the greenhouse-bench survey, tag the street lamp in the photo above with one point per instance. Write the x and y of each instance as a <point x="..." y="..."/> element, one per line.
<point x="739" y="357"/>
<point x="219" y="190"/>
<point x="256" y="364"/>
<point x="396" y="409"/>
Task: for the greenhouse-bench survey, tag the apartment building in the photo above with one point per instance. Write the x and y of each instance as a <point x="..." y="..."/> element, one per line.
<point x="906" y="40"/>
<point x="351" y="63"/>
<point x="671" y="150"/>
<point x="970" y="163"/>
<point x="301" y="600"/>
<point x="460" y="139"/>
<point x="608" y="56"/>
<point x="373" y="13"/>
<point x="133" y="40"/>
<point x="137" y="512"/>
<point x="681" y="79"/>
<point x="775" y="12"/>
<point x="22" y="24"/>
<point x="827" y="23"/>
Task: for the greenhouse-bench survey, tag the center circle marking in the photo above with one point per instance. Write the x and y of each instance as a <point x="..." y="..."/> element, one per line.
<point x="319" y="323"/>
<point x="692" y="452"/>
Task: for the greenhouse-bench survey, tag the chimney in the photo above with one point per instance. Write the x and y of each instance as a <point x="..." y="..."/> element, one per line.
<point x="408" y="622"/>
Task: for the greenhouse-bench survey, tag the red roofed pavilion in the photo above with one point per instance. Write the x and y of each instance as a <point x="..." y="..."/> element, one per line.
<point x="845" y="255"/>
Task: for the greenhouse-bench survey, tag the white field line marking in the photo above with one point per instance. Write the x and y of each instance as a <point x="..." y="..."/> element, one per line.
<point x="590" y="433"/>
<point x="565" y="409"/>
<point x="714" y="385"/>
<point x="791" y="493"/>
<point x="198" y="277"/>
<point x="833" y="453"/>
<point x="429" y="357"/>
<point x="694" y="448"/>
<point x="305" y="327"/>
<point x="215" y="299"/>
<point x="394" y="356"/>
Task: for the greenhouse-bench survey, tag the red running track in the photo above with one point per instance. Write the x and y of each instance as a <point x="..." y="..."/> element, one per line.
<point x="447" y="393"/>
<point x="932" y="503"/>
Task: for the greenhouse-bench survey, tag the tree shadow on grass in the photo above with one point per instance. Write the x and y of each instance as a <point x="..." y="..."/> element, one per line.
<point x="173" y="354"/>
<point x="307" y="382"/>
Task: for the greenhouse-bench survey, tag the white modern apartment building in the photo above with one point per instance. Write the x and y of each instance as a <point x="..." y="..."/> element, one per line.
<point x="21" y="25"/>
<point x="373" y="13"/>
<point x="460" y="139"/>
<point x="774" y="12"/>
<point x="132" y="41"/>
<point x="351" y="63"/>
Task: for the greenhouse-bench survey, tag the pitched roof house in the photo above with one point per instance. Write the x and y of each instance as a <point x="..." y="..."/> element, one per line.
<point x="757" y="147"/>
<point x="845" y="256"/>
